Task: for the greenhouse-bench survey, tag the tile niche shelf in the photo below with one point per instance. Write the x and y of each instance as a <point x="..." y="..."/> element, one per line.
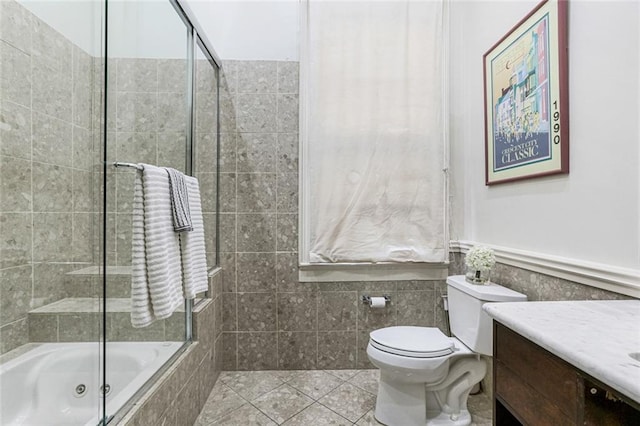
<point x="76" y="319"/>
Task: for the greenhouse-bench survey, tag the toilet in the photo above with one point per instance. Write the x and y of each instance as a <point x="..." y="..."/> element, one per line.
<point x="426" y="376"/>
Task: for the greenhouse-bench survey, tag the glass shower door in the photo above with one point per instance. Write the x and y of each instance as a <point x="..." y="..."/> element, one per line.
<point x="73" y="101"/>
<point x="148" y="121"/>
<point x="50" y="166"/>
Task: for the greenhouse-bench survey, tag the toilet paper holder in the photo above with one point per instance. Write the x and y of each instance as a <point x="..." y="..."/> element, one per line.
<point x="367" y="299"/>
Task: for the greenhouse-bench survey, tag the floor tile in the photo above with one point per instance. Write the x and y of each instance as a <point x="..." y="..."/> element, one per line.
<point x="221" y="402"/>
<point x="288" y="375"/>
<point x="349" y="401"/>
<point x="481" y="409"/>
<point x="287" y="397"/>
<point x="252" y="384"/>
<point x="367" y="380"/>
<point x="247" y="415"/>
<point x="225" y="376"/>
<point x="368" y="419"/>
<point x="315" y="384"/>
<point x="343" y="374"/>
<point x="282" y="403"/>
<point x="317" y="415"/>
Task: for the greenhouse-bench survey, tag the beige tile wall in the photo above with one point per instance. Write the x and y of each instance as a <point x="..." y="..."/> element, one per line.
<point x="537" y="286"/>
<point x="147" y="124"/>
<point x="271" y="320"/>
<point x="46" y="157"/>
<point x="150" y="127"/>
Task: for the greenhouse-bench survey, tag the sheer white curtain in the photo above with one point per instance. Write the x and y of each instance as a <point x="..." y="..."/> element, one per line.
<point x="373" y="132"/>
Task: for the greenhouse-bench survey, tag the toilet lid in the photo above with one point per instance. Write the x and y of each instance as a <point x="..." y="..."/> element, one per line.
<point x="417" y="342"/>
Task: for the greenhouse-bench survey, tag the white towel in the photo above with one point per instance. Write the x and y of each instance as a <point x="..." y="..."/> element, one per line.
<point x="194" y="259"/>
<point x="156" y="273"/>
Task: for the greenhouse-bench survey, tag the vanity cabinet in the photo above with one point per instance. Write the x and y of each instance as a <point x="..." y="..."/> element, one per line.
<point x="534" y="387"/>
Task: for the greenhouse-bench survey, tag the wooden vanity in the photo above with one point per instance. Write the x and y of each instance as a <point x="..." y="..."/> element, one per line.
<point x="532" y="386"/>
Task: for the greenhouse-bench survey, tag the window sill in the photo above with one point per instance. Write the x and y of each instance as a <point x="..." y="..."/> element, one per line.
<point x="327" y="272"/>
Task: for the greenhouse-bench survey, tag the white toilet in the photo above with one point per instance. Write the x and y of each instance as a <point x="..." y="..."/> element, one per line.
<point x="425" y="376"/>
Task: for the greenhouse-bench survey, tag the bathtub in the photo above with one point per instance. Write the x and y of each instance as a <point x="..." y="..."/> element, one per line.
<point x="59" y="383"/>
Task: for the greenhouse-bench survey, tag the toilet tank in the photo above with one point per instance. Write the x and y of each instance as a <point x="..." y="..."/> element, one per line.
<point x="469" y="322"/>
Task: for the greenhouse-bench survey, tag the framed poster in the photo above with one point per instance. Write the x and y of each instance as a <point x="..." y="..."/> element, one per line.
<point x="526" y="98"/>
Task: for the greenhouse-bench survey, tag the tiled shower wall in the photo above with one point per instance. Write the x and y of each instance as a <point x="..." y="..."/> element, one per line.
<point x="51" y="107"/>
<point x="147" y="123"/>
<point x="271" y="320"/>
<point x="45" y="167"/>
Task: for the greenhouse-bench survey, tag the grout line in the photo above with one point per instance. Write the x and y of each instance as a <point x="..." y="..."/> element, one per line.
<point x="357" y="329"/>
<point x="57" y="327"/>
<point x="235" y="248"/>
<point x="33" y="278"/>
<point x="335" y="412"/>
<point x="315" y="293"/>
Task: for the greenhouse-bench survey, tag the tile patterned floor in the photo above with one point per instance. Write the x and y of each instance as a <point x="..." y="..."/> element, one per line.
<point x="303" y="398"/>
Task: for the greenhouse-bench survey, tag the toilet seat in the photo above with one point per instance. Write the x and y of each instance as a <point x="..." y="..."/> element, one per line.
<point x="414" y="342"/>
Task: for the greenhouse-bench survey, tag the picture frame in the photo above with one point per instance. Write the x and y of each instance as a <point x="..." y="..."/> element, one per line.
<point x="526" y="99"/>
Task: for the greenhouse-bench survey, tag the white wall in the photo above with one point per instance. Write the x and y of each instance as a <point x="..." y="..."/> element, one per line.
<point x="250" y="30"/>
<point x="238" y="29"/>
<point x="137" y="28"/>
<point x="592" y="214"/>
<point x="80" y="21"/>
<point x="146" y="29"/>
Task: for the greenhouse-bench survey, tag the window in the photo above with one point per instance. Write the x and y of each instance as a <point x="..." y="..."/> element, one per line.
<point x="373" y="140"/>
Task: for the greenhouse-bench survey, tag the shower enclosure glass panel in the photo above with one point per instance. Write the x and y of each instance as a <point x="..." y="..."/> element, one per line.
<point x="83" y="87"/>
<point x="50" y="222"/>
<point x="148" y="121"/>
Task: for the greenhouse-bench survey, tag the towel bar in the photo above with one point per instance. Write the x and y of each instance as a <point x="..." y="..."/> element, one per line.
<point x="132" y="165"/>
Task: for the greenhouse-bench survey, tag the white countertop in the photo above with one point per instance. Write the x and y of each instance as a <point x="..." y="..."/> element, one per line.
<point x="594" y="336"/>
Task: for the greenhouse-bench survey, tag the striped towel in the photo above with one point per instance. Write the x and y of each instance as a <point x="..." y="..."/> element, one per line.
<point x="156" y="273"/>
<point x="179" y="201"/>
<point x="194" y="260"/>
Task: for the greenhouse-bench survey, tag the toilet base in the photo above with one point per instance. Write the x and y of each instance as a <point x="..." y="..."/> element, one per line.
<point x="401" y="403"/>
<point x="462" y="419"/>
